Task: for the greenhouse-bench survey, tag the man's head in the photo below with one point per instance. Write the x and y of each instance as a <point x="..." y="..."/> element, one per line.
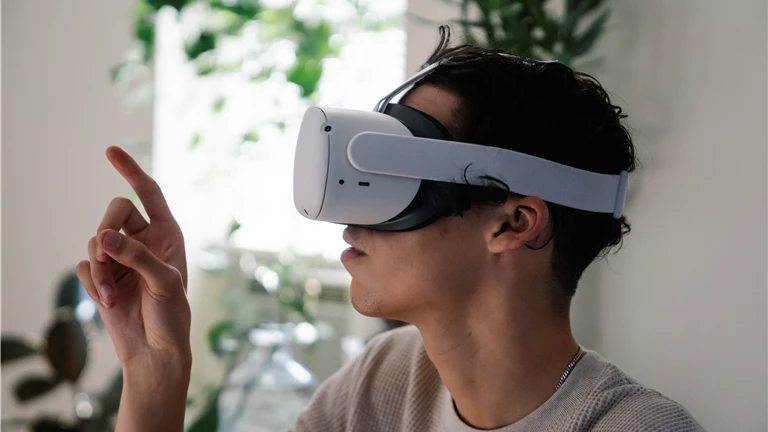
<point x="492" y="243"/>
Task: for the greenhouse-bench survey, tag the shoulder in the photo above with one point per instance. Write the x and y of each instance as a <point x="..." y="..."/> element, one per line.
<point x="626" y="405"/>
<point x="400" y="344"/>
<point x="378" y="384"/>
<point x="396" y="360"/>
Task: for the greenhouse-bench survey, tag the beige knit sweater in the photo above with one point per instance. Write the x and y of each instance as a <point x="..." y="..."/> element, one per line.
<point x="393" y="387"/>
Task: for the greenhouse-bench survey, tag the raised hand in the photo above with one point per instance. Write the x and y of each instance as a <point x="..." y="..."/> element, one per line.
<point x="138" y="277"/>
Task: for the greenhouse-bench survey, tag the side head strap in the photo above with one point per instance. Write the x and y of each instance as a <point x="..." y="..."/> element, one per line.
<point x="449" y="161"/>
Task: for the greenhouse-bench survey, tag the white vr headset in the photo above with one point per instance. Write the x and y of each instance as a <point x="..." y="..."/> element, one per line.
<point x="367" y="168"/>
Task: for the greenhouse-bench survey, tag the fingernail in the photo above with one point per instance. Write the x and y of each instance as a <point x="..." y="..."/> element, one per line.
<point x="105" y="292"/>
<point x="111" y="240"/>
<point x="99" y="252"/>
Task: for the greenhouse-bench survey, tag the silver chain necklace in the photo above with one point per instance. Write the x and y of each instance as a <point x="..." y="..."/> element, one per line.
<point x="579" y="354"/>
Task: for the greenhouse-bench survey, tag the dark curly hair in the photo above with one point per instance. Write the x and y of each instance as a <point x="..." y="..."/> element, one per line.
<point x="544" y="109"/>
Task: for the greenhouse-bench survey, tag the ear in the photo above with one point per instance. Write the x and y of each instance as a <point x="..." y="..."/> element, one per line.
<point x="517" y="223"/>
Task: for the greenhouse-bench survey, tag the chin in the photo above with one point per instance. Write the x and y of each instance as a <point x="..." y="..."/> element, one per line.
<point x="367" y="301"/>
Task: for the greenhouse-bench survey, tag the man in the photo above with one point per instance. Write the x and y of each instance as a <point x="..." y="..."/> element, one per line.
<point x="487" y="286"/>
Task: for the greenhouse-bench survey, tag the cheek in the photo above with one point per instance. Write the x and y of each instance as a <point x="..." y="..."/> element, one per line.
<point x="414" y="269"/>
<point x="389" y="278"/>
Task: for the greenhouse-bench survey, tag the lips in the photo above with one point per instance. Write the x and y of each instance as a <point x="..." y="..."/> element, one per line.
<point x="349" y="238"/>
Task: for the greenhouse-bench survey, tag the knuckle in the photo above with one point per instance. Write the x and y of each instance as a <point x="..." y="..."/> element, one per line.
<point x="170" y="280"/>
<point x="93" y="242"/>
<point x="149" y="189"/>
<point x="82" y="268"/>
<point x="137" y="253"/>
<point x="119" y="202"/>
<point x="170" y="275"/>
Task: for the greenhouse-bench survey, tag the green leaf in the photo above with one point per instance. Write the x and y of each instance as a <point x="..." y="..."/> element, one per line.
<point x="67" y="346"/>
<point x="208" y="421"/>
<point x="263" y="74"/>
<point x="573" y="15"/>
<point x="230" y="67"/>
<point x="33" y="387"/>
<point x="145" y="35"/>
<point x="251" y="136"/>
<point x="465" y="23"/>
<point x="486" y="22"/>
<point x="217" y="332"/>
<point x="218" y="104"/>
<point x="229" y="23"/>
<point x="143" y="10"/>
<point x="176" y="4"/>
<point x="205" y="42"/>
<point x="47" y="424"/>
<point x="306" y="74"/>
<point x="246" y="9"/>
<point x="71" y="294"/>
<point x="110" y="398"/>
<point x="586" y="41"/>
<point x="117" y="71"/>
<point x="195" y="143"/>
<point x="205" y="68"/>
<point x="314" y="41"/>
<point x="14" y="348"/>
<point x="280" y="125"/>
<point x="517" y="35"/>
<point x="542" y="19"/>
<point x="470" y="23"/>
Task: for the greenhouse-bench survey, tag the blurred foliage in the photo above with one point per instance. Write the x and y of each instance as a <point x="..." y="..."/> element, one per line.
<point x="14" y="348"/>
<point x="208" y="420"/>
<point x="534" y="28"/>
<point x="72" y="293"/>
<point x="67" y="346"/>
<point x="64" y="348"/>
<point x="282" y="278"/>
<point x="226" y="20"/>
<point x="221" y="22"/>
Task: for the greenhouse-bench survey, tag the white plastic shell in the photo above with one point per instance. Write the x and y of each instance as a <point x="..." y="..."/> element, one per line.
<point x="326" y="185"/>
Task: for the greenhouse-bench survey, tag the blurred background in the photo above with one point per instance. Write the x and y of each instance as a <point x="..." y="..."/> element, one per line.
<point x="208" y="96"/>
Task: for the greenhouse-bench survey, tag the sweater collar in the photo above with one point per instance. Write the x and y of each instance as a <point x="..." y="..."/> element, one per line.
<point x="550" y="416"/>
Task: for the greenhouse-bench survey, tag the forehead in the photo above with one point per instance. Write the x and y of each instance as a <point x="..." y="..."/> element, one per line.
<point x="438" y="103"/>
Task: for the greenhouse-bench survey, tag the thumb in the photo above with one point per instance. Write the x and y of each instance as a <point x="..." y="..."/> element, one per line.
<point x="163" y="280"/>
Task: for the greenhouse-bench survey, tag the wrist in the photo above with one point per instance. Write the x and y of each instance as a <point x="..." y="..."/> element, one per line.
<point x="154" y="395"/>
<point x="155" y="374"/>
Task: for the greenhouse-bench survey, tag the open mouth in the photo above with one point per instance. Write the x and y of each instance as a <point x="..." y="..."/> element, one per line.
<point x="352" y="252"/>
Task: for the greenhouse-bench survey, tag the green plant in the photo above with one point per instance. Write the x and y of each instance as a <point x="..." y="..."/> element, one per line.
<point x="65" y="349"/>
<point x="533" y="28"/>
<point x="284" y="280"/>
<point x="254" y="27"/>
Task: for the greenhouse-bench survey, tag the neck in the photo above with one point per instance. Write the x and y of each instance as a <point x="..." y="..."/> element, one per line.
<point x="500" y="358"/>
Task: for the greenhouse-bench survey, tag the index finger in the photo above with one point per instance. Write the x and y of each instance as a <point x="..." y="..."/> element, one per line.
<point x="145" y="186"/>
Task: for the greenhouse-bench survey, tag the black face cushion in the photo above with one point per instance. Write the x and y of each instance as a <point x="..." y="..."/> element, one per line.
<point x="420" y="124"/>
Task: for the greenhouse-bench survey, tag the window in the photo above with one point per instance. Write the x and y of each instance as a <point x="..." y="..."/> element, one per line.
<point x="224" y="144"/>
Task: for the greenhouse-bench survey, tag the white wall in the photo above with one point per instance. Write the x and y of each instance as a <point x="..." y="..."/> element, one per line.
<point x="683" y="307"/>
<point x="59" y="114"/>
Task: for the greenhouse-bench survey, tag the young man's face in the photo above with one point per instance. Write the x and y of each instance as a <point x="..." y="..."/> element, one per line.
<point x="401" y="274"/>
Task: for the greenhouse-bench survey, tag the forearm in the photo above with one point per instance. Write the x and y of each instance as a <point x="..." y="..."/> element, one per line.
<point x="154" y="397"/>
